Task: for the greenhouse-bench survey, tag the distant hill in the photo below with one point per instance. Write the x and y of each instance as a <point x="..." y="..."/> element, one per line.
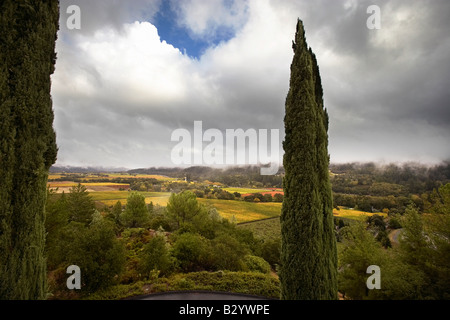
<point x="72" y="169"/>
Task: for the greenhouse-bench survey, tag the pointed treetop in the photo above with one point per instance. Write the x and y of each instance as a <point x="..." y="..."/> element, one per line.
<point x="299" y="24"/>
<point x="299" y="35"/>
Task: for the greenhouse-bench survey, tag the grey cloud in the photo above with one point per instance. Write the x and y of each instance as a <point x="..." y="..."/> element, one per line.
<point x="384" y="102"/>
<point x="386" y="89"/>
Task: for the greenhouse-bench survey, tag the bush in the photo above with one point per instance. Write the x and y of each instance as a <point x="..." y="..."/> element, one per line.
<point x="267" y="198"/>
<point x="156" y="256"/>
<point x="270" y="251"/>
<point x="377" y="222"/>
<point x="225" y="195"/>
<point x="199" y="193"/>
<point x="254" y="283"/>
<point x="278" y="197"/>
<point x="192" y="252"/>
<point x="249" y="198"/>
<point x="257" y="264"/>
<point x="159" y="219"/>
<point x="394" y="222"/>
<point x="96" y="250"/>
<point x="227" y="253"/>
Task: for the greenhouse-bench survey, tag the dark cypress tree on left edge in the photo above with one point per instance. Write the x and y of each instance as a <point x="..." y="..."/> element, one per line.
<point x="28" y="30"/>
<point x="308" y="254"/>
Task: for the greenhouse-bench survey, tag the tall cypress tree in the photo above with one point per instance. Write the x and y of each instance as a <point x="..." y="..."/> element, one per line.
<point x="28" y="30"/>
<point x="308" y="255"/>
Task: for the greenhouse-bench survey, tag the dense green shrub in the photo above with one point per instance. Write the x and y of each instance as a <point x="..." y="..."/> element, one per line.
<point x="156" y="256"/>
<point x="254" y="283"/>
<point x="256" y="264"/>
<point x="270" y="251"/>
<point x="227" y="253"/>
<point x="96" y="250"/>
<point x="192" y="252"/>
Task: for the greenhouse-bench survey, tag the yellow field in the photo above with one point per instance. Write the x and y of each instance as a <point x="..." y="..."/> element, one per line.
<point x="246" y="190"/>
<point x="109" y="176"/>
<point x="87" y="184"/>
<point x="243" y="211"/>
<point x="136" y="176"/>
<point x="355" y="214"/>
<point x="110" y="198"/>
<point x="239" y="211"/>
<point x="160" y="200"/>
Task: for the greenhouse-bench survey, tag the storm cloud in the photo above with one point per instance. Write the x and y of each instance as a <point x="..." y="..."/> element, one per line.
<point x="120" y="90"/>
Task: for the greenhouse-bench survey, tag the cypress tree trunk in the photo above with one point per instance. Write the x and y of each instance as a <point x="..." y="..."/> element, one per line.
<point x="28" y="31"/>
<point x="308" y="255"/>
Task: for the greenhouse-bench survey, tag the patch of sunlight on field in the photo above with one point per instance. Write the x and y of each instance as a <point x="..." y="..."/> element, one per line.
<point x="54" y="176"/>
<point x="136" y="176"/>
<point x="244" y="211"/>
<point x="162" y="200"/>
<point x="109" y="176"/>
<point x="355" y="214"/>
<point x="246" y="190"/>
<point x="109" y="195"/>
<point x="110" y="198"/>
<point x="87" y="184"/>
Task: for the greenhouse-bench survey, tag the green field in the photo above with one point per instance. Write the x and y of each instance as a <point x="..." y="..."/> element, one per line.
<point x="244" y="211"/>
<point x="269" y="229"/>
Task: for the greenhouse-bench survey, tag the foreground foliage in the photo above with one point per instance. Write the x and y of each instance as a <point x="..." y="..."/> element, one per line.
<point x="417" y="268"/>
<point x="254" y="283"/>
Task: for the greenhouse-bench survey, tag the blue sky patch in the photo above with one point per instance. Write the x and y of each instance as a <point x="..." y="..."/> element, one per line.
<point x="181" y="38"/>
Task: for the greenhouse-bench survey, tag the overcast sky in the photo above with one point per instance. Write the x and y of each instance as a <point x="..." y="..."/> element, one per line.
<point x="137" y="70"/>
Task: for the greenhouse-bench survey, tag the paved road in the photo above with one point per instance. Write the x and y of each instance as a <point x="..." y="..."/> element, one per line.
<point x="394" y="236"/>
<point x="198" y="295"/>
